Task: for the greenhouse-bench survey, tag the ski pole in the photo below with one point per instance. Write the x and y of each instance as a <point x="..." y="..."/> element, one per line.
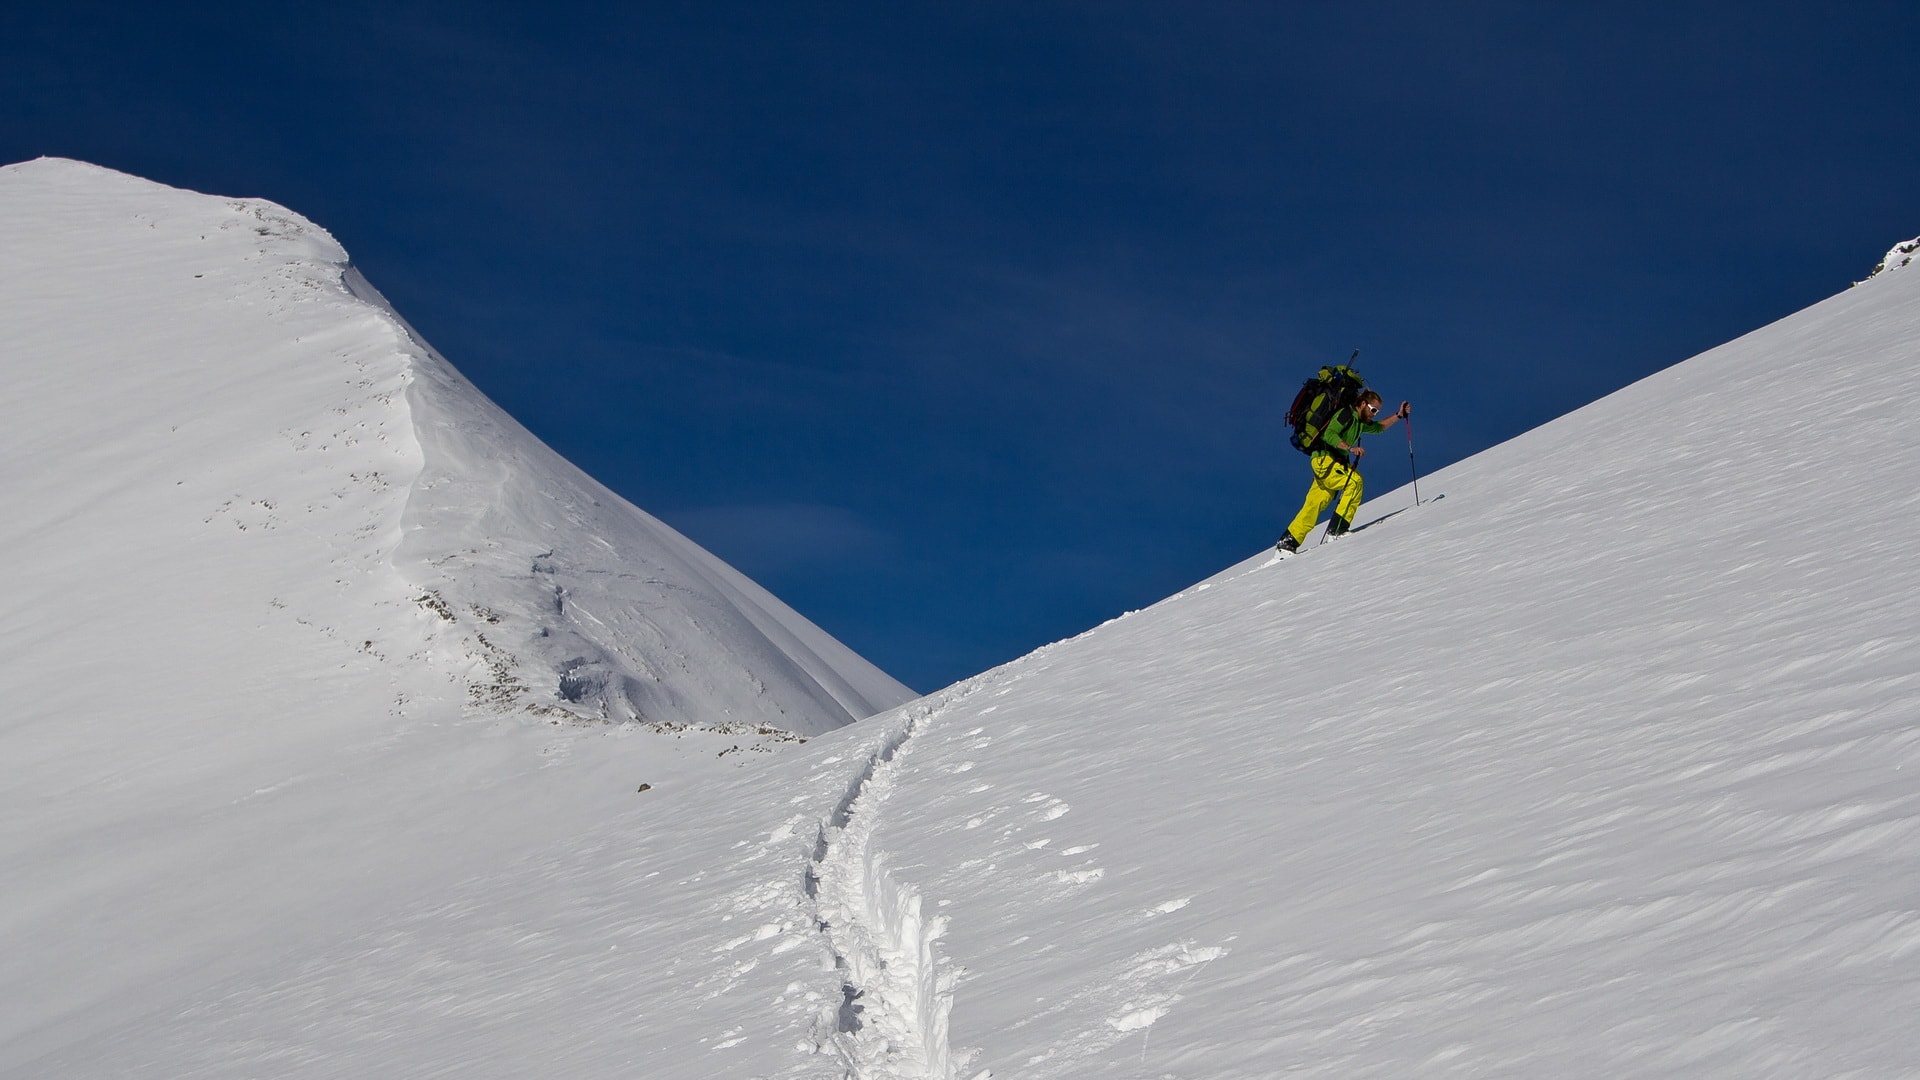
<point x="1410" y="464"/>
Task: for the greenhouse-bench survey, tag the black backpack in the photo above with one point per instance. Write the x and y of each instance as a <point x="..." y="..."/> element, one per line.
<point x="1336" y="387"/>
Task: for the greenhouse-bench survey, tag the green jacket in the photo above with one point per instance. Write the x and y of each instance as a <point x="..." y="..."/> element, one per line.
<point x="1346" y="427"/>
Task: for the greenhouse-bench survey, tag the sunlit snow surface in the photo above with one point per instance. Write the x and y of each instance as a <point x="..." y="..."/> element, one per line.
<point x="300" y="624"/>
<point x="1604" y="762"/>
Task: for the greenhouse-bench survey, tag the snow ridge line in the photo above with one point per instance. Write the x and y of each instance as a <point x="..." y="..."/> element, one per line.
<point x="896" y="999"/>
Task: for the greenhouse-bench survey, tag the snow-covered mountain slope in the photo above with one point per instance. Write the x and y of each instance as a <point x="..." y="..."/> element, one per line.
<point x="161" y="331"/>
<point x="1604" y="762"/>
<point x="292" y="606"/>
<point x="1595" y="765"/>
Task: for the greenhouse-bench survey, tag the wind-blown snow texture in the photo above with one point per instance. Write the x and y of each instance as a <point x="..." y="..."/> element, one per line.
<point x="1605" y="763"/>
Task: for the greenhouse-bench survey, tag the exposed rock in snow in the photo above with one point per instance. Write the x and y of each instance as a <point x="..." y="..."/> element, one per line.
<point x="1900" y="256"/>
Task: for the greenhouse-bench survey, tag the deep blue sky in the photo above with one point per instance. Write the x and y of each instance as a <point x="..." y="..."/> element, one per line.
<point x="964" y="327"/>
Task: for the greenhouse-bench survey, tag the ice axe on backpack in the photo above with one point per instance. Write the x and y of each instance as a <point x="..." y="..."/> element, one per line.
<point x="1333" y="388"/>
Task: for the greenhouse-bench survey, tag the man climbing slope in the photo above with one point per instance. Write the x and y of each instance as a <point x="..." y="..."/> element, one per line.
<point x="1333" y="457"/>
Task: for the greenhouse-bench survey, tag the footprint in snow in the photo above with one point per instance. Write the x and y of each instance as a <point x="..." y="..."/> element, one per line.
<point x="1169" y="959"/>
<point x="1133" y="1019"/>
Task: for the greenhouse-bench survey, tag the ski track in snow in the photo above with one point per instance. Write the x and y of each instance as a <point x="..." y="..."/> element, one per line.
<point x="897" y="996"/>
<point x="892" y="1020"/>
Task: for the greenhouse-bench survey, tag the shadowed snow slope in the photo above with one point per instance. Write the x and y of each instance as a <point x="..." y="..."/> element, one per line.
<point x="280" y="575"/>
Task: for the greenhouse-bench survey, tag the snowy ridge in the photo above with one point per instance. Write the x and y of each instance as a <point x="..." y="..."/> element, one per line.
<point x="1900" y="256"/>
<point x="628" y="620"/>
<point x="309" y="627"/>
<point x="542" y="591"/>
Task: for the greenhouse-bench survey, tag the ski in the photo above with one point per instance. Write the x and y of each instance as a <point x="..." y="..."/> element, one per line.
<point x="1281" y="553"/>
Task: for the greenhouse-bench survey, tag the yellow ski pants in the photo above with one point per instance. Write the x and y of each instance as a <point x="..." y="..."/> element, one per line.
<point x="1330" y="478"/>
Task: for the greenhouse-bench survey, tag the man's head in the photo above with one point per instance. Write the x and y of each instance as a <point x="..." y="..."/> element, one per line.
<point x="1369" y="403"/>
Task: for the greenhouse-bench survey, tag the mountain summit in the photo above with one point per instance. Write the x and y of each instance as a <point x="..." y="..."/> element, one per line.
<point x="295" y="608"/>
<point x="245" y="401"/>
